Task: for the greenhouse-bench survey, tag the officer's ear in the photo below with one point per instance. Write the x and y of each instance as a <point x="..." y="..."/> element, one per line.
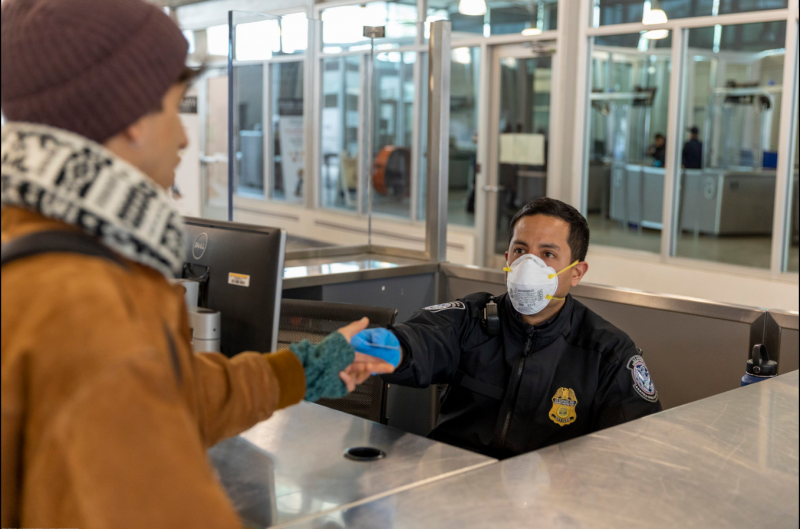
<point x="578" y="271"/>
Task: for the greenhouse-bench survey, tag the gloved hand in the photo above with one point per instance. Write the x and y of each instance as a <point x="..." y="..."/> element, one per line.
<point x="322" y="363"/>
<point x="381" y="343"/>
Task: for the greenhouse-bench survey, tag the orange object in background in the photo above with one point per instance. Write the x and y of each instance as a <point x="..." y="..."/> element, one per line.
<point x="391" y="173"/>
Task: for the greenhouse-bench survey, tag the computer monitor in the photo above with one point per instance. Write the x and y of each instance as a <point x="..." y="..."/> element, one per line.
<point x="244" y="268"/>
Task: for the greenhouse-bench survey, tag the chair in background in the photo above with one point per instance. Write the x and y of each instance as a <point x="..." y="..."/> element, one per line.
<point x="313" y="321"/>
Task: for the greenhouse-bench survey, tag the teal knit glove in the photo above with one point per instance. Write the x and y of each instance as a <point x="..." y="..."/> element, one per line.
<point x="322" y="363"/>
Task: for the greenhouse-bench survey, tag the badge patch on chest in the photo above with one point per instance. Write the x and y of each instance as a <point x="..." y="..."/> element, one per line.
<point x="642" y="383"/>
<point x="563" y="411"/>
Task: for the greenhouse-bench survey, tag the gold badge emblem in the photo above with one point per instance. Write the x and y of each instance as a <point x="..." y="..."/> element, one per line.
<point x="563" y="411"/>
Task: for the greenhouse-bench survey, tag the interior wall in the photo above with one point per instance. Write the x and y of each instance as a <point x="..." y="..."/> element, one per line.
<point x="652" y="275"/>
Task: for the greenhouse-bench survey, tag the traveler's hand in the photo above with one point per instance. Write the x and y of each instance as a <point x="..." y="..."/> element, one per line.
<point x="362" y="368"/>
<point x="354" y="328"/>
<point x="364" y="365"/>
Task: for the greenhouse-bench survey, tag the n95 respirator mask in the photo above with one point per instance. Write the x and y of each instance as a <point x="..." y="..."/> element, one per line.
<point x="531" y="284"/>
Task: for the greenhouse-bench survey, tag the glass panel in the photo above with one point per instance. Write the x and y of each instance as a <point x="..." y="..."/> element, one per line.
<point x="215" y="164"/>
<point x="341" y="89"/>
<point x="464" y="86"/>
<point x="730" y="148"/>
<point x="267" y="106"/>
<point x="525" y="88"/>
<point x="288" y="153"/>
<point x="248" y="142"/>
<point x="343" y="27"/>
<point x="626" y="11"/>
<point x="628" y="121"/>
<point x="501" y="17"/>
<point x="393" y="123"/>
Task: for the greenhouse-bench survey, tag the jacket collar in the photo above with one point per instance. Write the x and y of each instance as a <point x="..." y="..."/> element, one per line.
<point x="544" y="333"/>
<point x="69" y="178"/>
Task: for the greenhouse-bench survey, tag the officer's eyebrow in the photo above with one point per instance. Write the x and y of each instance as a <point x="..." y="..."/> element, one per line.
<point x="551" y="245"/>
<point x="519" y="243"/>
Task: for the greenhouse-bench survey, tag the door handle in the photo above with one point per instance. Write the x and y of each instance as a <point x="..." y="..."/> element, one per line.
<point x="493" y="189"/>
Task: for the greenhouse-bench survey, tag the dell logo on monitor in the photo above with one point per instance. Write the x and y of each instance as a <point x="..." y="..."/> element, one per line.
<point x="199" y="246"/>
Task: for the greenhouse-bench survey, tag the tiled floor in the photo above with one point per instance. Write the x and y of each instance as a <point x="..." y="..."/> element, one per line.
<point x="744" y="251"/>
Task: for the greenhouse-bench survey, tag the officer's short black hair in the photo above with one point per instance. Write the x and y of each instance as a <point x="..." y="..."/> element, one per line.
<point x="578" y="227"/>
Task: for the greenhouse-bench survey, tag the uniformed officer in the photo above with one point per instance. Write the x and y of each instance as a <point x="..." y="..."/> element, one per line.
<point x="545" y="369"/>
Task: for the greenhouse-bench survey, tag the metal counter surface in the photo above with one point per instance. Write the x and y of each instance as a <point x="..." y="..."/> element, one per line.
<point x="727" y="461"/>
<point x="292" y="466"/>
<point x="313" y="271"/>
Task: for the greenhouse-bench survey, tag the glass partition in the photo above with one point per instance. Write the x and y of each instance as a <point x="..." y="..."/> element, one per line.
<point x="729" y="149"/>
<point x="341" y="118"/>
<point x="393" y="122"/>
<point x="465" y="67"/>
<point x="214" y="155"/>
<point x="248" y="95"/>
<point x="266" y="107"/>
<point x="630" y="79"/>
<point x="495" y="17"/>
<point x="287" y="144"/>
<point x="630" y="11"/>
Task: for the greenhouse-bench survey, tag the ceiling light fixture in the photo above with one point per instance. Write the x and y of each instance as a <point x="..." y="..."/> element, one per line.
<point x="531" y="32"/>
<point x="653" y="17"/>
<point x="473" y="8"/>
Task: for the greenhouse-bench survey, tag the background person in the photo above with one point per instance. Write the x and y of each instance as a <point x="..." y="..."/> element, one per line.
<point x="692" y="155"/>
<point x="106" y="412"/>
<point x="658" y="150"/>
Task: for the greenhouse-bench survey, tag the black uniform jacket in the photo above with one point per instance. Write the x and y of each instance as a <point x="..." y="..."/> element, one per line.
<point x="528" y="386"/>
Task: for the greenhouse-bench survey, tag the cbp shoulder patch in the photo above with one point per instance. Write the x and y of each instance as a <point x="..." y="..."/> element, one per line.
<point x="457" y="305"/>
<point x="642" y="383"/>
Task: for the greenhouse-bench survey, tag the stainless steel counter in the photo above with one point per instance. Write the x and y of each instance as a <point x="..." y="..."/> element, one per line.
<point x="727" y="461"/>
<point x="292" y="465"/>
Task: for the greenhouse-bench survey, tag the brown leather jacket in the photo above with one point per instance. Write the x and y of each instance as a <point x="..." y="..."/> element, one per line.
<point x="99" y="427"/>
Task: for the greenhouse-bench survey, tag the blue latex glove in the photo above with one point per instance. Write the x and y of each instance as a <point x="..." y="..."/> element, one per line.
<point x="380" y="343"/>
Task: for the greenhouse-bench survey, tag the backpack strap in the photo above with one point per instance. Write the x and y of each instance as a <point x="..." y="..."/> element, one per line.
<point x="56" y="241"/>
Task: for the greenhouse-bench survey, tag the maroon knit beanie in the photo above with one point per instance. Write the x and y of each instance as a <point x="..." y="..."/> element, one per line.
<point x="92" y="67"/>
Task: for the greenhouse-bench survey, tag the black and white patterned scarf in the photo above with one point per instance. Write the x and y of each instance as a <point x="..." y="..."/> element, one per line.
<point x="69" y="178"/>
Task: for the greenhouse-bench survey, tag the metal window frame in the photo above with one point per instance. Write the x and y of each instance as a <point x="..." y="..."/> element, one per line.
<point x="677" y="100"/>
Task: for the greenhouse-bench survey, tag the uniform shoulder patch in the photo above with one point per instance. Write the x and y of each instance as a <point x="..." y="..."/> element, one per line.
<point x="452" y="305"/>
<point x="642" y="383"/>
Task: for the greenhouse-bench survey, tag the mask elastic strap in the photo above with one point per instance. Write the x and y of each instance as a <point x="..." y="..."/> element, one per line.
<point x="507" y="267"/>
<point x="551" y="297"/>
<point x="551" y="276"/>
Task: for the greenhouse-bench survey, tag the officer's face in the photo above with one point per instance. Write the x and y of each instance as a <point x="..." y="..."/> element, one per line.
<point x="548" y="239"/>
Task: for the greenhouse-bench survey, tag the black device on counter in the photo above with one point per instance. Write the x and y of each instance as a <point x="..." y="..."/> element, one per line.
<point x="240" y="268"/>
